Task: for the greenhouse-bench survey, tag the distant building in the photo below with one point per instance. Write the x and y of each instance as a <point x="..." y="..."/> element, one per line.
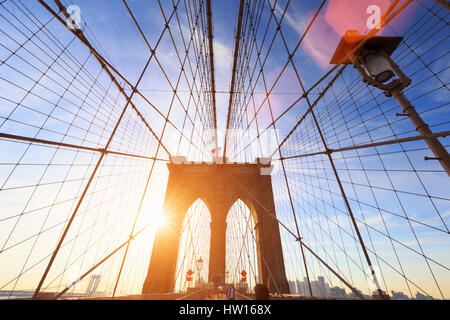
<point x="338" y="292"/>
<point x="93" y="284"/>
<point x="293" y="287"/>
<point x="303" y="287"/>
<point x="420" y="296"/>
<point x="398" y="295"/>
<point x="353" y="295"/>
<point x="322" y="288"/>
<point x="319" y="288"/>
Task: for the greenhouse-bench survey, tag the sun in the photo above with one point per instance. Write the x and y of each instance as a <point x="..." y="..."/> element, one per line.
<point x="158" y="220"/>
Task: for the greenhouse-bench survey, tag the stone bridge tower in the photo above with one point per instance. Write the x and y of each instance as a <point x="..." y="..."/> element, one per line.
<point x="219" y="186"/>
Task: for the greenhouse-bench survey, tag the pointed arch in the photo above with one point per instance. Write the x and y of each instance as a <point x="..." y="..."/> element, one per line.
<point x="194" y="244"/>
<point x="241" y="246"/>
<point x="242" y="198"/>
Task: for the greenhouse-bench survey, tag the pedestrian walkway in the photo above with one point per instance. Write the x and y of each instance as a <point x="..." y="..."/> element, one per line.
<point x="216" y="296"/>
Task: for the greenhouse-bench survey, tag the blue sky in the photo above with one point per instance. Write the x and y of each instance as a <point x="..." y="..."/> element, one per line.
<point x="124" y="48"/>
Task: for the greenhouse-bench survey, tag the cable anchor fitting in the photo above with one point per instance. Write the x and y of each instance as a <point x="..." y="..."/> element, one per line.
<point x="431" y="158"/>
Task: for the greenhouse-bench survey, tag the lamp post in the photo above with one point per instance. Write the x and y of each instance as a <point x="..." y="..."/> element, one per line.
<point x="373" y="62"/>
<point x="199" y="265"/>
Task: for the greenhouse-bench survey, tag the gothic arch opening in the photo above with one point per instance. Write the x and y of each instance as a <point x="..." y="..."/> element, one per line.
<point x="194" y="245"/>
<point x="241" y="248"/>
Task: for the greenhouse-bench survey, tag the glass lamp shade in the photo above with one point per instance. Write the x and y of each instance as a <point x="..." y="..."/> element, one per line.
<point x="199" y="264"/>
<point x="378" y="67"/>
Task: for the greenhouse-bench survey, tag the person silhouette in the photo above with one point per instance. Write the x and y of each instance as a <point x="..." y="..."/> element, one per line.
<point x="231" y="292"/>
<point x="261" y="292"/>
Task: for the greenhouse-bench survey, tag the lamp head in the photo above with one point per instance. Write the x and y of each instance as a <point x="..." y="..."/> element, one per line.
<point x="371" y="57"/>
<point x="353" y="45"/>
<point x="377" y="66"/>
<point x="199" y="263"/>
